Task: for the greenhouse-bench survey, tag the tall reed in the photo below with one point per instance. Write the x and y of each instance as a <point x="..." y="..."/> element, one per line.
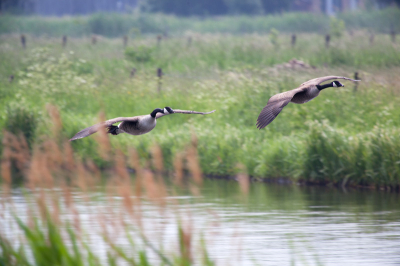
<point x="52" y="170"/>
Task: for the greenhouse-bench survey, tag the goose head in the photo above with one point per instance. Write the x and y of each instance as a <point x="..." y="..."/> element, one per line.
<point x="168" y="110"/>
<point x="337" y="84"/>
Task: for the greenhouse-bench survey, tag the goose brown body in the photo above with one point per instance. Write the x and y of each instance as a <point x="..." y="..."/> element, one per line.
<point x="136" y="125"/>
<point x="304" y="93"/>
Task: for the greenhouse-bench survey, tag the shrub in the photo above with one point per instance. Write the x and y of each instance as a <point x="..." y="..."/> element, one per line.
<point x="337" y="27"/>
<point x="273" y="36"/>
<point x="140" y="54"/>
<point x="20" y="120"/>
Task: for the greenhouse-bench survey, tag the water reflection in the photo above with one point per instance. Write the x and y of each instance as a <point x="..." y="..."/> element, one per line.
<point x="273" y="225"/>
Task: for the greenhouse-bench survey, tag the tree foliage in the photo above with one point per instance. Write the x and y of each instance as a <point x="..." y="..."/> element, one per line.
<point x="217" y="7"/>
<point x="187" y="8"/>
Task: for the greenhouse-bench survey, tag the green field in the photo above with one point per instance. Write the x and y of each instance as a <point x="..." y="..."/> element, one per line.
<point x="342" y="137"/>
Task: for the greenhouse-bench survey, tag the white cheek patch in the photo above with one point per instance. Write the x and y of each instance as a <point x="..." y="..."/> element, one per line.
<point x="334" y="84"/>
<point x="166" y="111"/>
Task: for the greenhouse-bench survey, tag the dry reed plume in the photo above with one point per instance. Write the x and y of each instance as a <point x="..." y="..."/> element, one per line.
<point x="52" y="164"/>
<point x="102" y="139"/>
<point x="243" y="179"/>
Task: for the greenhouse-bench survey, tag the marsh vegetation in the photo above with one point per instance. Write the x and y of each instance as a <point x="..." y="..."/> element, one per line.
<point x="347" y="137"/>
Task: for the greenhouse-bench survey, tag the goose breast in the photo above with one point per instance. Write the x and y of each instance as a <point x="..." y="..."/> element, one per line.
<point x="306" y="95"/>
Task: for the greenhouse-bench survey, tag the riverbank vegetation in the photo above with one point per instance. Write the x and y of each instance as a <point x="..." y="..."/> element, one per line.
<point x="347" y="136"/>
<point x="68" y="212"/>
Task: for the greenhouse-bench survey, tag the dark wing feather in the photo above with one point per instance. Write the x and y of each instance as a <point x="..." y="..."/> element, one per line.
<point x="274" y="107"/>
<point x="318" y="81"/>
<point x="177" y="111"/>
<point x="93" y="129"/>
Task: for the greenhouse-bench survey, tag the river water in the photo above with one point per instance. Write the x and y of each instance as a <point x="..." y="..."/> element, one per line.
<point x="272" y="225"/>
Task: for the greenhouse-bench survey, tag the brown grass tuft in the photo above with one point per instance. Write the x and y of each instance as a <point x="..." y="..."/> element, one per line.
<point x="41" y="203"/>
<point x="80" y="179"/>
<point x="157" y="159"/>
<point x="55" y="119"/>
<point x="102" y="139"/>
<point x="124" y="187"/>
<point x="155" y="191"/>
<point x="134" y="161"/>
<point x="68" y="156"/>
<point x="54" y="157"/>
<point x="243" y="179"/>
<point x="6" y="166"/>
<point x="93" y="170"/>
<point x="193" y="164"/>
<point x="120" y="167"/>
<point x="178" y="167"/>
<point x="67" y="195"/>
<point x="185" y="243"/>
<point x="15" y="152"/>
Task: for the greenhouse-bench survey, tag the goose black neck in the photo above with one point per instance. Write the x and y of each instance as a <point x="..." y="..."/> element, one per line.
<point x="321" y="87"/>
<point x="155" y="111"/>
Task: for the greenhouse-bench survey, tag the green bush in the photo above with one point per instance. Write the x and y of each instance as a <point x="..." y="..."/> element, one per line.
<point x="337" y="27"/>
<point x="140" y="54"/>
<point x="20" y="120"/>
<point x="112" y="25"/>
<point x="273" y="37"/>
<point x="368" y="159"/>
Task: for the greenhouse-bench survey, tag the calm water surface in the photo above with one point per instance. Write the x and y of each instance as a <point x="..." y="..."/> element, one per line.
<point x="273" y="225"/>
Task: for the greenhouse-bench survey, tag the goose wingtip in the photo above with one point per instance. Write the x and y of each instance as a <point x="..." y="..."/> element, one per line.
<point x="74" y="138"/>
<point x="207" y="113"/>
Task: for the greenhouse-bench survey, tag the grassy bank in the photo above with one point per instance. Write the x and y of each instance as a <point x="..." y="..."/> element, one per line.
<point x="114" y="25"/>
<point x="343" y="136"/>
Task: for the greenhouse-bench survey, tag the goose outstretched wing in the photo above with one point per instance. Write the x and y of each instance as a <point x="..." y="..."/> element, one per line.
<point x="318" y="81"/>
<point x="93" y="129"/>
<point x="274" y="107"/>
<point x="177" y="111"/>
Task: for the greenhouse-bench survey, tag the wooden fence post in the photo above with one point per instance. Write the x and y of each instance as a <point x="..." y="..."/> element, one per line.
<point x="355" y="83"/>
<point x="294" y="37"/>
<point x="125" y="40"/>
<point x="64" y="41"/>
<point x="392" y="33"/>
<point x="159" y="38"/>
<point x="327" y="40"/>
<point x="133" y="71"/>
<point x="159" y="75"/>
<point x="23" y="41"/>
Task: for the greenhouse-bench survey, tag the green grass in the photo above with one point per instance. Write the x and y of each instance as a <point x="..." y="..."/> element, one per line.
<point x="116" y="25"/>
<point x="49" y="242"/>
<point x="334" y="138"/>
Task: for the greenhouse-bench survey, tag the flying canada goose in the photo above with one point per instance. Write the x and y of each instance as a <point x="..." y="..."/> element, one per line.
<point x="306" y="92"/>
<point x="136" y="125"/>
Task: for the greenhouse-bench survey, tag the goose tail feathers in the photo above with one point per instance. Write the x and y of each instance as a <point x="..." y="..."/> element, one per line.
<point x="112" y="130"/>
